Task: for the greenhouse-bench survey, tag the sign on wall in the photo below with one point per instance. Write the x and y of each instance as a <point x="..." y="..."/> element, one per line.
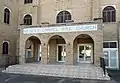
<point x="58" y="29"/>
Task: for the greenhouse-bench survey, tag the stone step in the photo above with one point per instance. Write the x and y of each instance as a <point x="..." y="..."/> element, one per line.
<point x="73" y="71"/>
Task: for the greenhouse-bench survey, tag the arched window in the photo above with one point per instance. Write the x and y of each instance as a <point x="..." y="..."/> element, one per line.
<point x="63" y="16"/>
<point x="6" y="16"/>
<point x="109" y="14"/>
<point x="28" y="1"/>
<point x="28" y="20"/>
<point x="5" y="48"/>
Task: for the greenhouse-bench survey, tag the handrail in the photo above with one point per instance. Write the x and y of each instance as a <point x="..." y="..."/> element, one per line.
<point x="102" y="65"/>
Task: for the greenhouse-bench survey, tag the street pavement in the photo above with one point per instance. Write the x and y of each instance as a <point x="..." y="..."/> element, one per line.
<point x="17" y="78"/>
<point x="115" y="75"/>
<point x="20" y="78"/>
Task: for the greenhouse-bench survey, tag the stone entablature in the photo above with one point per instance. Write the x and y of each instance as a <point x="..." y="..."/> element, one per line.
<point x="75" y="28"/>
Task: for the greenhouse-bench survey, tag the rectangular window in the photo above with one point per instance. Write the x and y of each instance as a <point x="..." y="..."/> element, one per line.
<point x="105" y="45"/>
<point x="27" y="1"/>
<point x="113" y="45"/>
<point x="29" y="53"/>
<point x="110" y="49"/>
<point x="110" y="44"/>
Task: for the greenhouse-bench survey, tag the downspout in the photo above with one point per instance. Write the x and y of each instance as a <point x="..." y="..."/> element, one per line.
<point x="38" y="12"/>
<point x="118" y="25"/>
<point x="91" y="10"/>
<point x="99" y="9"/>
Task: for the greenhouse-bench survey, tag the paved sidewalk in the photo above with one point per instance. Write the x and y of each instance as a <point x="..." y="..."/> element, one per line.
<point x="84" y="71"/>
<point x="19" y="78"/>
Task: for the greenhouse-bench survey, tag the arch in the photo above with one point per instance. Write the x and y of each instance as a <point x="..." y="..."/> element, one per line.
<point x="57" y="37"/>
<point x="56" y="49"/>
<point x="33" y="37"/>
<point x="83" y="36"/>
<point x="109" y="14"/>
<point x="30" y="36"/>
<point x="6" y="16"/>
<point x="32" y="49"/>
<point x="83" y="49"/>
<point x="5" y="47"/>
<point x="28" y="1"/>
<point x="28" y="19"/>
<point x="63" y="16"/>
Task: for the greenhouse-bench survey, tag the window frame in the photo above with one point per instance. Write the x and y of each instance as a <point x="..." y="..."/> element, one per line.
<point x="28" y="1"/>
<point x="62" y="16"/>
<point x="117" y="54"/>
<point x="26" y="20"/>
<point x="109" y="14"/>
<point x="7" y="16"/>
<point x="5" y="48"/>
<point x="110" y="45"/>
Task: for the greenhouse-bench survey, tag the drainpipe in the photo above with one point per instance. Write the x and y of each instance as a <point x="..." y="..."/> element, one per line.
<point x="91" y="10"/>
<point x="118" y="25"/>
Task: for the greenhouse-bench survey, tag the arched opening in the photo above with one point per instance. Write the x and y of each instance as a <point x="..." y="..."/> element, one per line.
<point x="57" y="49"/>
<point x="83" y="49"/>
<point x="6" y="16"/>
<point x="109" y="14"/>
<point x="28" y="19"/>
<point x="32" y="50"/>
<point x="63" y="16"/>
<point x="5" y="48"/>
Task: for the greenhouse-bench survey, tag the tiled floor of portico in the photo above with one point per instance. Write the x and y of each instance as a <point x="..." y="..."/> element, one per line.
<point x="85" y="71"/>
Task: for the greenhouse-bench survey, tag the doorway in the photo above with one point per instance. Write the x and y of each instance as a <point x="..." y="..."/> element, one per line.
<point x="110" y="49"/>
<point x="32" y="50"/>
<point x="85" y="53"/>
<point x="61" y="53"/>
<point x="56" y="49"/>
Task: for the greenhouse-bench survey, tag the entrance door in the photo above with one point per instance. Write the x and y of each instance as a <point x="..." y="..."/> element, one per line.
<point x="111" y="58"/>
<point x="39" y="53"/>
<point x="85" y="53"/>
<point x="61" y="53"/>
<point x="110" y="49"/>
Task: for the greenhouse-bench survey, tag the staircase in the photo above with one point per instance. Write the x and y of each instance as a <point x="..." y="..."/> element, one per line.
<point x="84" y="71"/>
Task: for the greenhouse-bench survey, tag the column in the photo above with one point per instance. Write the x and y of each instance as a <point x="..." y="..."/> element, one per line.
<point x="52" y="51"/>
<point x="21" y="52"/>
<point x="69" y="54"/>
<point x="44" y="53"/>
<point x="98" y="52"/>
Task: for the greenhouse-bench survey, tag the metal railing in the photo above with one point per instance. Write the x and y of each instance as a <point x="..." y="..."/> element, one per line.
<point x="102" y="65"/>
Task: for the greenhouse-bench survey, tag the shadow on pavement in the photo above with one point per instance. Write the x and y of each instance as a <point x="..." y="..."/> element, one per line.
<point x="114" y="74"/>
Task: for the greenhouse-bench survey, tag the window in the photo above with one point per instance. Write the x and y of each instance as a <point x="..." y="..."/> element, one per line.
<point x="63" y="16"/>
<point x="28" y="20"/>
<point x="111" y="54"/>
<point x="109" y="14"/>
<point x="5" y="48"/>
<point x="6" y="16"/>
<point x="110" y="45"/>
<point x="28" y="1"/>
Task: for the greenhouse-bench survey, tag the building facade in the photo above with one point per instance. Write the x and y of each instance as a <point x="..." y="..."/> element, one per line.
<point x="67" y="45"/>
<point x="8" y="31"/>
<point x="66" y="31"/>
